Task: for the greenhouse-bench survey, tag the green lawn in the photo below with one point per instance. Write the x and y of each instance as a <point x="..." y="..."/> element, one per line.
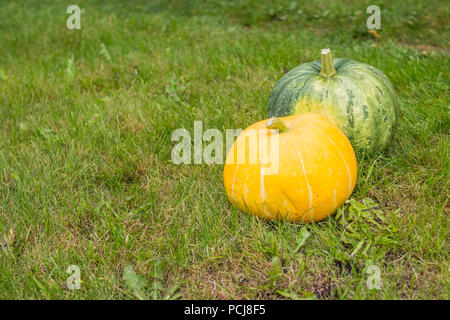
<point x="85" y="144"/>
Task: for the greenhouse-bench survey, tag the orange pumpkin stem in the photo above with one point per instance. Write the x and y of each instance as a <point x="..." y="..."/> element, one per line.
<point x="276" y="123"/>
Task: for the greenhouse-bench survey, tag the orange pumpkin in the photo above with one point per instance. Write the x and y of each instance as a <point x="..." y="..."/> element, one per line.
<point x="305" y="168"/>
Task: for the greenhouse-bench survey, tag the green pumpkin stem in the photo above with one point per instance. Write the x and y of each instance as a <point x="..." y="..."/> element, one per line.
<point x="327" y="69"/>
<point x="276" y="123"/>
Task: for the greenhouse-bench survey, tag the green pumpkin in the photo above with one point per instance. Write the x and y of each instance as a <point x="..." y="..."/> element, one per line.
<point x="359" y="98"/>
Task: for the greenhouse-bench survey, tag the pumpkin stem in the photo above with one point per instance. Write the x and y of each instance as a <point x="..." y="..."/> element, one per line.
<point x="327" y="69"/>
<point x="276" y="123"/>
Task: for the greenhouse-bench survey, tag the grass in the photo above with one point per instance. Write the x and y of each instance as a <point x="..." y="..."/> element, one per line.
<point x="85" y="143"/>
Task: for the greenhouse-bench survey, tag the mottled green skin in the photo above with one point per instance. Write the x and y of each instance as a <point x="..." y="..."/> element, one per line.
<point x="360" y="99"/>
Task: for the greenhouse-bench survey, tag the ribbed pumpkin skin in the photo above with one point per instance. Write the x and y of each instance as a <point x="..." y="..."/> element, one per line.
<point x="317" y="172"/>
<point x="360" y="99"/>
